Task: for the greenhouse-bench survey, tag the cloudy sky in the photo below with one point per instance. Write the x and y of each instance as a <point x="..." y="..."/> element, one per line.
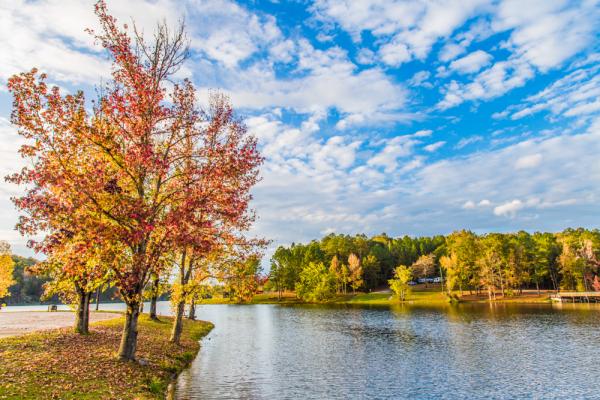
<point x="404" y="117"/>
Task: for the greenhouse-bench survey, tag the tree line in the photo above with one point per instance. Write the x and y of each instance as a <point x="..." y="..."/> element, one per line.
<point x="504" y="263"/>
<point x="140" y="183"/>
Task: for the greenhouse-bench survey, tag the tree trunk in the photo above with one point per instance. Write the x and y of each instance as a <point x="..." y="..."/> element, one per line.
<point x="82" y="317"/>
<point x="130" y="331"/>
<point x="98" y="297"/>
<point x="192" y="313"/>
<point x="177" y="323"/>
<point x="154" y="298"/>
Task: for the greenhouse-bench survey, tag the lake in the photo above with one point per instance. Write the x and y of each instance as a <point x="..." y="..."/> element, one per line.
<point x="456" y="352"/>
<point x="467" y="351"/>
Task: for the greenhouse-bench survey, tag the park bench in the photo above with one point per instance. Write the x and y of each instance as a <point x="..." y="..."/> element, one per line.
<point x="52" y="307"/>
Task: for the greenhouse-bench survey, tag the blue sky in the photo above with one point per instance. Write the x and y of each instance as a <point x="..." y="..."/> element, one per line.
<point x="404" y="117"/>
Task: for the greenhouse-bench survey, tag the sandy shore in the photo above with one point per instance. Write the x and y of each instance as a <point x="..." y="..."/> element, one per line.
<point x="18" y="323"/>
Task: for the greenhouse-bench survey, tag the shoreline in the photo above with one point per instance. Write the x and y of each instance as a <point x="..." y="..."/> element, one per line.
<point x="419" y="296"/>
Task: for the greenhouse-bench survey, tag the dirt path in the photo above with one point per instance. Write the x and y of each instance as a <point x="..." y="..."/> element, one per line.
<point x="18" y="323"/>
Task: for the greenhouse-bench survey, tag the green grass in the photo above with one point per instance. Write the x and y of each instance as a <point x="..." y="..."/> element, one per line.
<point x="434" y="296"/>
<point x="60" y="364"/>
<point x="420" y="297"/>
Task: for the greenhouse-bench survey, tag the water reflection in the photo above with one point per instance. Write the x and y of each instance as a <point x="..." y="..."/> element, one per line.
<point x="505" y="351"/>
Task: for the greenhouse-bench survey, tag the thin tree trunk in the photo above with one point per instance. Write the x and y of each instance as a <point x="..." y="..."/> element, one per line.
<point x="192" y="312"/>
<point x="98" y="297"/>
<point x="154" y="298"/>
<point x="177" y="323"/>
<point x="88" y="299"/>
<point x="130" y="331"/>
<point x="83" y="310"/>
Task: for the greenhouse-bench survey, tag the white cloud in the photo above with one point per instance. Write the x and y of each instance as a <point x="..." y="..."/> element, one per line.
<point x="469" y="205"/>
<point x="467" y="141"/>
<point x="413" y="27"/>
<point x="395" y="148"/>
<point x="546" y="33"/>
<point x="365" y="56"/>
<point x="394" y="53"/>
<point x="478" y="31"/>
<point x="325" y="79"/>
<point x="558" y="181"/>
<point x="434" y="146"/>
<point x="471" y="63"/>
<point x="575" y="94"/>
<point x="509" y="209"/>
<point x="529" y="161"/>
<point x="543" y="35"/>
<point x="423" y="133"/>
<point x="230" y="34"/>
<point x="495" y="81"/>
<point x="420" y="79"/>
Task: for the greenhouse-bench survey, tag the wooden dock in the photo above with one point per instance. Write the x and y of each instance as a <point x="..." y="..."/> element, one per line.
<point x="576" y="297"/>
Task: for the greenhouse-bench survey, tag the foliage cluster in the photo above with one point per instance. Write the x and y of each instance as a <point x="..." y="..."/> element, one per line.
<point x="505" y="263"/>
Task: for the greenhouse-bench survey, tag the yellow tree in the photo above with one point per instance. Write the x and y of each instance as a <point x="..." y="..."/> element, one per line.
<point x="355" y="270"/>
<point x="7" y="266"/>
<point x="399" y="284"/>
<point x="336" y="269"/>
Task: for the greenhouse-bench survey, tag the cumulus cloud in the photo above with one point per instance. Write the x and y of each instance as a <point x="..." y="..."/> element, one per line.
<point x="509" y="209"/>
<point x="326" y="79"/>
<point x="471" y="63"/>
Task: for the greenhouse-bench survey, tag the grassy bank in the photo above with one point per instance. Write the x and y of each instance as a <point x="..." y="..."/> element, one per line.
<point x="434" y="296"/>
<point x="60" y="364"/>
<point x="431" y="295"/>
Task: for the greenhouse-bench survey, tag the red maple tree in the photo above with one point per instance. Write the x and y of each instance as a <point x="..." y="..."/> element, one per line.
<point x="145" y="172"/>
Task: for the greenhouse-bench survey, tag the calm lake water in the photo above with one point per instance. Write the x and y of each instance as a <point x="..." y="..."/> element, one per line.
<point x="454" y="352"/>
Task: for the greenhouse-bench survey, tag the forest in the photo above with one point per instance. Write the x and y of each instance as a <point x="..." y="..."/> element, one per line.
<point x="495" y="262"/>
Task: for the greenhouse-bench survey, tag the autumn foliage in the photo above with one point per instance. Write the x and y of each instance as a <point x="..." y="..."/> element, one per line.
<point x="141" y="176"/>
<point x="6" y="269"/>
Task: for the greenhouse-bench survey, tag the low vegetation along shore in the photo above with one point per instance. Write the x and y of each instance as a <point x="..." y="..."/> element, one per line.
<point x="419" y="295"/>
<point x="61" y="364"/>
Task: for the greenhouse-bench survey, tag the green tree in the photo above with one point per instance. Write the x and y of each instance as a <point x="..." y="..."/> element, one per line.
<point x="462" y="271"/>
<point x="371" y="272"/>
<point x="316" y="283"/>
